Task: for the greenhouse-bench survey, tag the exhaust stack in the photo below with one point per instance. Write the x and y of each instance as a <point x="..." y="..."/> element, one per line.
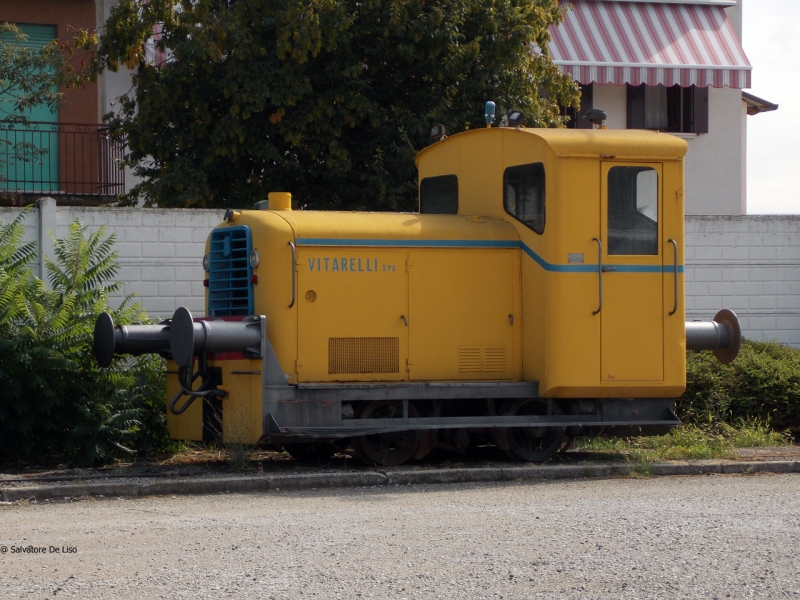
<point x="723" y="336"/>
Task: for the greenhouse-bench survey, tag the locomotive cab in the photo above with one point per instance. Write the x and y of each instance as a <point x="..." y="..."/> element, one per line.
<point x="599" y="215"/>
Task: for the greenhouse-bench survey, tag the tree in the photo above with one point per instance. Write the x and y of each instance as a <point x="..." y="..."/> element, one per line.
<point x="328" y="99"/>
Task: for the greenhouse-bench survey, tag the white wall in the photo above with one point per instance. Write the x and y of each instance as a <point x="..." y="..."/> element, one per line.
<point x="715" y="161"/>
<point x="750" y="264"/>
<point x="160" y="251"/>
<point x="735" y="17"/>
<point x="614" y="100"/>
<point x="113" y="85"/>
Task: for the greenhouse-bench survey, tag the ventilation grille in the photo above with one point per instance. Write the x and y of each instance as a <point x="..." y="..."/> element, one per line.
<point x="363" y="355"/>
<point x="230" y="291"/>
<point x="478" y="359"/>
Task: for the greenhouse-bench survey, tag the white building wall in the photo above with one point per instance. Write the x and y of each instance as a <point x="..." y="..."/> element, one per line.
<point x="113" y="85"/>
<point x="715" y="161"/>
<point x="614" y="100"/>
<point x="750" y="264"/>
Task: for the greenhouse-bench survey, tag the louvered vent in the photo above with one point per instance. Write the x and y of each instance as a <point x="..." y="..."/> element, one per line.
<point x="477" y="359"/>
<point x="363" y="355"/>
<point x="494" y="360"/>
<point x="469" y="359"/>
<point x="230" y="291"/>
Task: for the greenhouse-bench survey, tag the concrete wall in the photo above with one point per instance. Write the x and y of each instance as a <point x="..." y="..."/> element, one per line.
<point x="160" y="251"/>
<point x="748" y="264"/>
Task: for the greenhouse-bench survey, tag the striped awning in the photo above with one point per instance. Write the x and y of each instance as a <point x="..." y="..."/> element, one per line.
<point x="641" y="42"/>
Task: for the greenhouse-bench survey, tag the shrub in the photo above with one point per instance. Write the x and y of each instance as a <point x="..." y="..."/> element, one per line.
<point x="56" y="404"/>
<point x="763" y="383"/>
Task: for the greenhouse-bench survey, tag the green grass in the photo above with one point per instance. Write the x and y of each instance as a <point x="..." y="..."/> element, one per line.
<point x="689" y="442"/>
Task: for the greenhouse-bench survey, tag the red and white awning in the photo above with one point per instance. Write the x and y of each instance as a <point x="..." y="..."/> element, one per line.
<point x="635" y="43"/>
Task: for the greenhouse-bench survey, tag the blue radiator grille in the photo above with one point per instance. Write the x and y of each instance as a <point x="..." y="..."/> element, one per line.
<point x="230" y="291"/>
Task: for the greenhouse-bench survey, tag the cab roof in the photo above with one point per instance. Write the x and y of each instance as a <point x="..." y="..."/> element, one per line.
<point x="602" y="143"/>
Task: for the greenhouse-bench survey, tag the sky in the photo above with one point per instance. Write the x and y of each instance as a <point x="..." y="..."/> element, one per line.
<point x="771" y="39"/>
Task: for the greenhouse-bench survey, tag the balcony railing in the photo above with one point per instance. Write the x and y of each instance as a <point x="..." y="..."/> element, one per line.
<point x="60" y="158"/>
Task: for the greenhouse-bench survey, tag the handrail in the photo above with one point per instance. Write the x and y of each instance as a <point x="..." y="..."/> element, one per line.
<point x="675" y="274"/>
<point x="599" y="272"/>
<point x="294" y="273"/>
<point x="56" y="157"/>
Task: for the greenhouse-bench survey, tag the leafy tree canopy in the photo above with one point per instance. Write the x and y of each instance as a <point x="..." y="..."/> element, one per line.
<point x="327" y="99"/>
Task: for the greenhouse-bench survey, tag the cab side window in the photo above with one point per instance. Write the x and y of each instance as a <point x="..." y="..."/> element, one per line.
<point x="524" y="194"/>
<point x="439" y="195"/>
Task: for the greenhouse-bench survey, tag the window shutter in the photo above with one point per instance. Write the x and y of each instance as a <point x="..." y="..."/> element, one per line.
<point x="700" y="110"/>
<point x="636" y="107"/>
<point x="587" y="104"/>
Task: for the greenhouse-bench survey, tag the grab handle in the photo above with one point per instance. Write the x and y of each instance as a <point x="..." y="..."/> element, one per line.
<point x="675" y="274"/>
<point x="294" y="272"/>
<point x="599" y="272"/>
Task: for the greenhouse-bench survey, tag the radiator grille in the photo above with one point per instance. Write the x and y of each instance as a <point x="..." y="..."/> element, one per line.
<point x="230" y="291"/>
<point x="363" y="355"/>
<point x="478" y="359"/>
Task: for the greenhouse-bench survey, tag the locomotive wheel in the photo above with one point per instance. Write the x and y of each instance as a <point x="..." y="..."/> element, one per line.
<point x="532" y="444"/>
<point x="389" y="449"/>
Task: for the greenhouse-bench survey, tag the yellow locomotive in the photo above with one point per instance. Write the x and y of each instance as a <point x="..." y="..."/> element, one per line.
<point x="538" y="294"/>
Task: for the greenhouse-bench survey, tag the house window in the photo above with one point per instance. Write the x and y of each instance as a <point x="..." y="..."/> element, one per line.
<point x="523" y="194"/>
<point x="439" y="195"/>
<point x="676" y="109"/>
<point x="575" y="114"/>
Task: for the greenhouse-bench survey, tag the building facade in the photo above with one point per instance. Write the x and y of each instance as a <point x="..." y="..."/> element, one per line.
<point x="675" y="66"/>
<point x="72" y="157"/>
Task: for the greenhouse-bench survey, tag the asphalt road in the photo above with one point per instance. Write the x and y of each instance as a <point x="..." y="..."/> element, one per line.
<point x="682" y="537"/>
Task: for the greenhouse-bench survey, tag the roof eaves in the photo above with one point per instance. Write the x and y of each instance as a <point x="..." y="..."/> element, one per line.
<point x="757" y="105"/>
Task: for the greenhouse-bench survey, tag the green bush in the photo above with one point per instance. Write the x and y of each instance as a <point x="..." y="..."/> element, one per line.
<point x="56" y="404"/>
<point x="763" y="383"/>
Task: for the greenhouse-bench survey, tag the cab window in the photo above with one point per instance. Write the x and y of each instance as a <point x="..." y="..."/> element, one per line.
<point x="524" y="194"/>
<point x="439" y="195"/>
<point x="632" y="210"/>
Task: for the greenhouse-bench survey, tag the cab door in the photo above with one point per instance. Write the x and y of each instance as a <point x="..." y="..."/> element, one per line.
<point x="632" y="313"/>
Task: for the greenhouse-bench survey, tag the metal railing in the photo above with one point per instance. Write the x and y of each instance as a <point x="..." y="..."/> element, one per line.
<point x="60" y="158"/>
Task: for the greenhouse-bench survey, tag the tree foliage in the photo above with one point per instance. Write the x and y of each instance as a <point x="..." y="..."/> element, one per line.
<point x="328" y="99"/>
<point x="55" y="402"/>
